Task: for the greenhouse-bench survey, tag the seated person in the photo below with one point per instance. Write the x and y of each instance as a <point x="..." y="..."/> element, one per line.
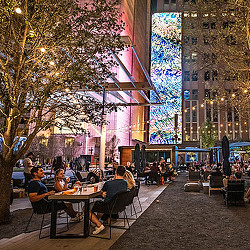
<point x="61" y="184"/>
<point x="109" y="189"/>
<point x="154" y="167"/>
<point x="147" y="167"/>
<point x="38" y="196"/>
<point x="128" y="176"/>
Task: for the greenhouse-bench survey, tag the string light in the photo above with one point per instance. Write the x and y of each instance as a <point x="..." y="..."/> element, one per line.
<point x="233" y="95"/>
<point x="18" y="10"/>
<point x="43" y="50"/>
<point x="52" y="63"/>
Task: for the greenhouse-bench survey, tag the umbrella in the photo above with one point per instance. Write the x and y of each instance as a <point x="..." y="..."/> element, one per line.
<point x="143" y="158"/>
<point x="137" y="157"/>
<point x="211" y="157"/>
<point x="225" y="153"/>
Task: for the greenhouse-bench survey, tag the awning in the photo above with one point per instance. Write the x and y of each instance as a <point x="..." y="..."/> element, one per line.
<point x="193" y="150"/>
<point x="239" y="144"/>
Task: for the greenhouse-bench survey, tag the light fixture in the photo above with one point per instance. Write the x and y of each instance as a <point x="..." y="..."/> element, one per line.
<point x="245" y="91"/>
<point x="202" y="105"/>
<point x="233" y="95"/>
<point x="211" y="102"/>
<point x="222" y="99"/>
<point x="43" y="50"/>
<point x="221" y="125"/>
<point x="193" y="108"/>
<point x="18" y="10"/>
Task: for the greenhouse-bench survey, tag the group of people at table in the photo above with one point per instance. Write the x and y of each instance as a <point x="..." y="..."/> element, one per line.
<point x="38" y="193"/>
<point x="160" y="171"/>
<point x="237" y="170"/>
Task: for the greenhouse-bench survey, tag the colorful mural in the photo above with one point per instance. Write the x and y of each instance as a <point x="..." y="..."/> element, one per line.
<point x="166" y="75"/>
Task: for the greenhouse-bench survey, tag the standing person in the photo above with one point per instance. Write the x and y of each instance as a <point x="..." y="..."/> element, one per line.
<point x="28" y="165"/>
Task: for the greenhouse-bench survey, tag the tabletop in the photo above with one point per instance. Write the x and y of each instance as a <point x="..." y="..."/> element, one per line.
<point x="71" y="195"/>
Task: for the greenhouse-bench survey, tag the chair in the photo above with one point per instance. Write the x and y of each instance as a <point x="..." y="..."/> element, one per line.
<point x="194" y="176"/>
<point x="136" y="194"/>
<point x="215" y="183"/>
<point x="235" y="192"/>
<point x="154" y="176"/>
<point x="39" y="210"/>
<point x="116" y="205"/>
<point x="205" y="175"/>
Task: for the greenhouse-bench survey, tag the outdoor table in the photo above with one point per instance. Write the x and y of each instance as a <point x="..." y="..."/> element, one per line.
<point x="80" y="196"/>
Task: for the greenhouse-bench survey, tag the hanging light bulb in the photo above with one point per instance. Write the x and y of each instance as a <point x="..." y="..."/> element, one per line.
<point x="18" y="10"/>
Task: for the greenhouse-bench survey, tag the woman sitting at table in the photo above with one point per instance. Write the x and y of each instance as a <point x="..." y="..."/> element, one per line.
<point x="61" y="184"/>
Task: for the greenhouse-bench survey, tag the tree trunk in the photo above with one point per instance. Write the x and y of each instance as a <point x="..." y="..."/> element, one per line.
<point x="6" y="170"/>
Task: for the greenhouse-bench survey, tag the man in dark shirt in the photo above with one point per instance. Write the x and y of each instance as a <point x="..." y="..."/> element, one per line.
<point x="109" y="189"/>
<point x="38" y="196"/>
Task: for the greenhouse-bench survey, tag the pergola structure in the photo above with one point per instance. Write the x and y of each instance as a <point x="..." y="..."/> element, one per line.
<point x="114" y="87"/>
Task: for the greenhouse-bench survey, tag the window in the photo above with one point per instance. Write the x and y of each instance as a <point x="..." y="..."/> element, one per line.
<point x="195" y="76"/>
<point x="214" y="58"/>
<point x="194" y="57"/>
<point x="206" y="41"/>
<point x="213" y="25"/>
<point x="208" y="114"/>
<point x="215" y="116"/>
<point x="225" y="25"/>
<point x="229" y="116"/>
<point x="195" y="94"/>
<point x="188" y="116"/>
<point x="194" y="40"/>
<point x="186" y="14"/>
<point x="207" y="93"/>
<point x="166" y="1"/>
<point x="207" y="75"/>
<point x="186" y="94"/>
<point x="69" y="142"/>
<point x="186" y="58"/>
<point x="186" y="75"/>
<point x="193" y="14"/>
<point x="44" y="142"/>
<point x="194" y="116"/>
<point x="236" y="115"/>
<point x="206" y="57"/>
<point x="173" y="1"/>
<point x="230" y="40"/>
<point x="206" y="25"/>
<point x="186" y="39"/>
<point x="214" y="75"/>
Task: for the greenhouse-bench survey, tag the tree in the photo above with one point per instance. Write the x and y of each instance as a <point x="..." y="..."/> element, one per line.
<point x="208" y="134"/>
<point x="51" y="53"/>
<point x="224" y="31"/>
<point x="111" y="147"/>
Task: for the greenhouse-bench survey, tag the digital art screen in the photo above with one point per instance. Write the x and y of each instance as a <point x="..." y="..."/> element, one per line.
<point x="166" y="75"/>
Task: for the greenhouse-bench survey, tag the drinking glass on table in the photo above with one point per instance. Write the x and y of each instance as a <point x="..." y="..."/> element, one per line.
<point x="76" y="187"/>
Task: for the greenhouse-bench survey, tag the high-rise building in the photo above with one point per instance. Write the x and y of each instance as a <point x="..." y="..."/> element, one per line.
<point x="204" y="97"/>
